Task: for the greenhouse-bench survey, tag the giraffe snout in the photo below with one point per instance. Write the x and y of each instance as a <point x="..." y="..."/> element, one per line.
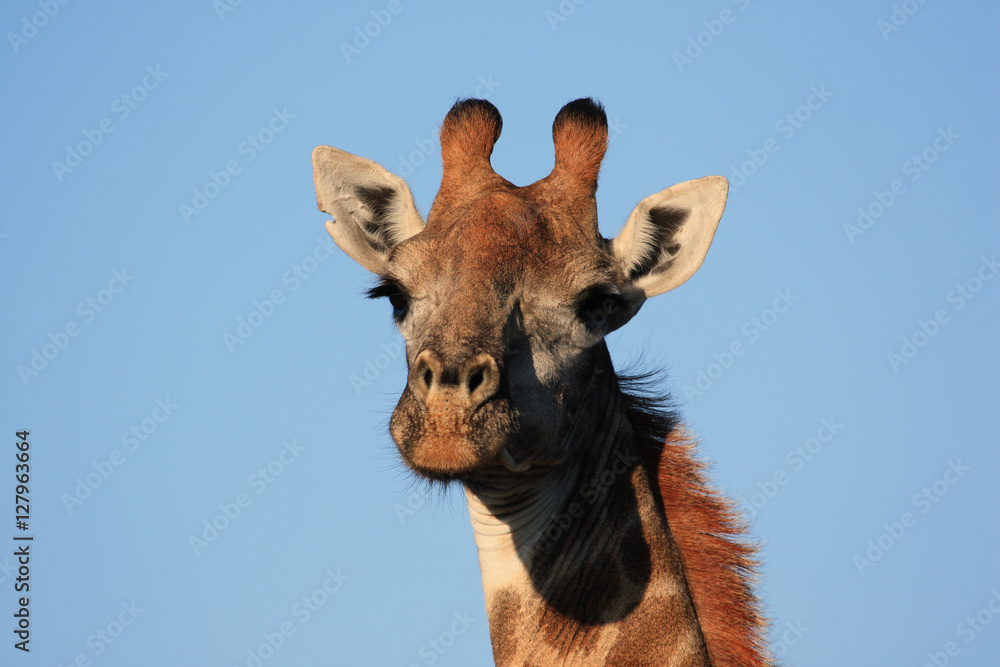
<point x="452" y="418"/>
<point x="472" y="382"/>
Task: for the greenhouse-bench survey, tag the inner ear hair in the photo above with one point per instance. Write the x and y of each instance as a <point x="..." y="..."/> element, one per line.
<point x="378" y="230"/>
<point x="654" y="251"/>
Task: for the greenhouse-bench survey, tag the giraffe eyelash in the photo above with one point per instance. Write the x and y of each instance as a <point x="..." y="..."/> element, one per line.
<point x="397" y="296"/>
<point x="385" y="287"/>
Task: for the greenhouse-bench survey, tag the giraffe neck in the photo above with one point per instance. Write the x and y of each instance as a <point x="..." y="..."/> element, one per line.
<point x="579" y="566"/>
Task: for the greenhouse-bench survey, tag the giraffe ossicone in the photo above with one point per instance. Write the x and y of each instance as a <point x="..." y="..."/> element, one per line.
<point x="600" y="541"/>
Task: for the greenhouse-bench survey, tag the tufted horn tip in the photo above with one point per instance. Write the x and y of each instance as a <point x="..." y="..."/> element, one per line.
<point x="585" y="111"/>
<point x="468" y="134"/>
<point x="580" y="134"/>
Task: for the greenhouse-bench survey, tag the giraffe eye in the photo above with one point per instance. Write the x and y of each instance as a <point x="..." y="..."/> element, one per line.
<point x="399" y="303"/>
<point x="398" y="299"/>
<point x="599" y="308"/>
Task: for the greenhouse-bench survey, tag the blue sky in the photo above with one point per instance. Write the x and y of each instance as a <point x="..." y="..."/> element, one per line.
<point x="207" y="394"/>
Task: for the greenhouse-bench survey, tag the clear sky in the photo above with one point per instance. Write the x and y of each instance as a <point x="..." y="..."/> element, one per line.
<point x="211" y="479"/>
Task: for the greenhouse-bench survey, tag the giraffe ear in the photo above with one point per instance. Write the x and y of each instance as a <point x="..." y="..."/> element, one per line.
<point x="667" y="236"/>
<point x="372" y="209"/>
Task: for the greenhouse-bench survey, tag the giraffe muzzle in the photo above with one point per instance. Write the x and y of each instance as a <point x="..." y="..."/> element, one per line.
<point x="451" y="419"/>
<point x="470" y="384"/>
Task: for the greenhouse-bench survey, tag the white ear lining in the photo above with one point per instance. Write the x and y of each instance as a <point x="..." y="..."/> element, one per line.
<point x="668" y="234"/>
<point x="372" y="208"/>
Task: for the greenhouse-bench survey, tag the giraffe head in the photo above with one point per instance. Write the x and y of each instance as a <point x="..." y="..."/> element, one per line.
<point x="505" y="295"/>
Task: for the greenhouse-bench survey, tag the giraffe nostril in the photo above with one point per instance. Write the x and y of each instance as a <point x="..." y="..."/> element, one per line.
<point x="475" y="380"/>
<point x="480" y="378"/>
<point x="428" y="377"/>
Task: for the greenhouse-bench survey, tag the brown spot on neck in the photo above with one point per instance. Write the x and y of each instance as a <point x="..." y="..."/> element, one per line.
<point x="504" y="613"/>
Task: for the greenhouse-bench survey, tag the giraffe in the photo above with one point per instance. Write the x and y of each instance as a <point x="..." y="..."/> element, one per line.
<point x="600" y="540"/>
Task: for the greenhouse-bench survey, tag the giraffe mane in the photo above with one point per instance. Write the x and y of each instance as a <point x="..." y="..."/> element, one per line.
<point x="719" y="563"/>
